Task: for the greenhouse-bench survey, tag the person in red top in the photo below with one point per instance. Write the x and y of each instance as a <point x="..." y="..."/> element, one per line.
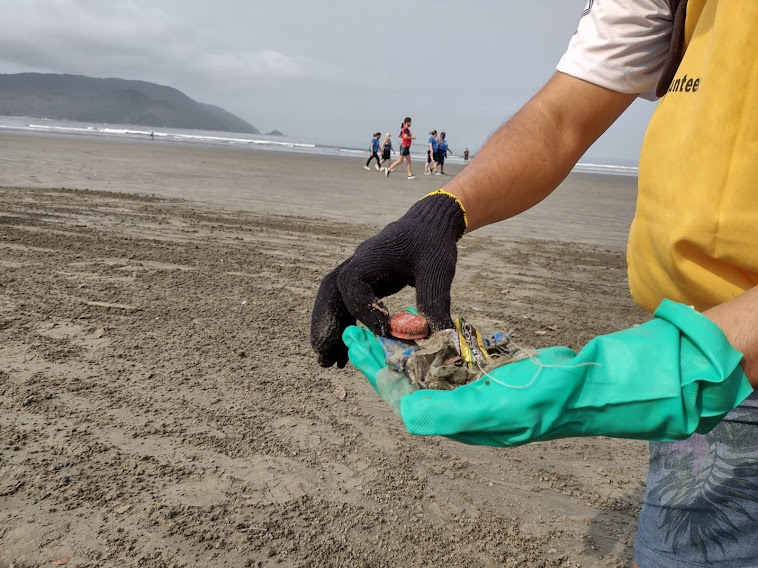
<point x="405" y="149"/>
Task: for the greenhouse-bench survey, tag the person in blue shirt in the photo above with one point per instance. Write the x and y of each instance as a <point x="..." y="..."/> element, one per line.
<point x="442" y="150"/>
<point x="431" y="153"/>
<point x="373" y="149"/>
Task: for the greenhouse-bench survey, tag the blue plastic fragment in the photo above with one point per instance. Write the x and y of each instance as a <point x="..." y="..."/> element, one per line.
<point x="397" y="351"/>
<point x="497" y="340"/>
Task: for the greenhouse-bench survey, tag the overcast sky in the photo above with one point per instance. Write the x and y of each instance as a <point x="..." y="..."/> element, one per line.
<point x="332" y="71"/>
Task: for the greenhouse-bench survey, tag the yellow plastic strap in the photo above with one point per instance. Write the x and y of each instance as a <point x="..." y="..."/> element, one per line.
<point x="458" y="201"/>
<point x="472" y="348"/>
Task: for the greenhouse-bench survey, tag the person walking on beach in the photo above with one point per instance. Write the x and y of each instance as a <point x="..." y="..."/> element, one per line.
<point x="685" y="379"/>
<point x="431" y="153"/>
<point x="373" y="149"/>
<point x="442" y="150"/>
<point x="406" y="138"/>
<point x="465" y="157"/>
<point x="386" y="150"/>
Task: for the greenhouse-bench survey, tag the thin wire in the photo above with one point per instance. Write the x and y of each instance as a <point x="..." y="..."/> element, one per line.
<point x="540" y="366"/>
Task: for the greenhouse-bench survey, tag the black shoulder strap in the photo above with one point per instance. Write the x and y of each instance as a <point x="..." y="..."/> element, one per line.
<point x="676" y="49"/>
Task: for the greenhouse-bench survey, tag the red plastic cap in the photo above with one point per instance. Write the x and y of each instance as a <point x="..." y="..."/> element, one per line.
<point x="408" y="326"/>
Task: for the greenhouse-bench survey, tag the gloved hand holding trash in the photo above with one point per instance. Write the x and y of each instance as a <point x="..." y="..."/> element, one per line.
<point x="419" y="250"/>
<point x="663" y="380"/>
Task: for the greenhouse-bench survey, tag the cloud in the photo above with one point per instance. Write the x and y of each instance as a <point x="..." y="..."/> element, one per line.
<point x="134" y="40"/>
<point x="235" y="70"/>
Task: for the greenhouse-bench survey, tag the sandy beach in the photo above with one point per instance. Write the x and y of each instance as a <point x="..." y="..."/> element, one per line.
<point x="160" y="405"/>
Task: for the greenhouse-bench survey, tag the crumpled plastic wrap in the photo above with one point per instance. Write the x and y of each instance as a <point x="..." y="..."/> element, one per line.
<point x="437" y="361"/>
<point x="437" y="364"/>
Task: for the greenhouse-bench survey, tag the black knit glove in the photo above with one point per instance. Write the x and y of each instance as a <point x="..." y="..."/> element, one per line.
<point x="416" y="250"/>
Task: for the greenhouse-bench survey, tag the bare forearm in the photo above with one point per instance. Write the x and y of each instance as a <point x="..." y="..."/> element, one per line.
<point x="738" y="319"/>
<point x="531" y="154"/>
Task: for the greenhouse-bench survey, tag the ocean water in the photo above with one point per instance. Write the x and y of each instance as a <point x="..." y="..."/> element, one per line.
<point x="259" y="141"/>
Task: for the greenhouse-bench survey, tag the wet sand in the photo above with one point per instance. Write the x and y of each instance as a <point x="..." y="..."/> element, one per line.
<point x="587" y="208"/>
<point x="160" y="405"/>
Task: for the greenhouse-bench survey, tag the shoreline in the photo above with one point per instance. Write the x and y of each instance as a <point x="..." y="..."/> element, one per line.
<point x="210" y="138"/>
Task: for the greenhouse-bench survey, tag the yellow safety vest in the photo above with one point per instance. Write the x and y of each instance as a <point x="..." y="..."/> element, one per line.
<point x="694" y="238"/>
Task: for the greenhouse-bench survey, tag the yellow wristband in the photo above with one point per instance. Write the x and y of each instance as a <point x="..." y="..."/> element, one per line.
<point x="458" y="201"/>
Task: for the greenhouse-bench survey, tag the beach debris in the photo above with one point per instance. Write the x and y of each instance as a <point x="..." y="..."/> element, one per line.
<point x="449" y="358"/>
<point x="438" y="363"/>
<point x="471" y="345"/>
<point x="60" y="561"/>
<point x="405" y="325"/>
<point x="340" y="393"/>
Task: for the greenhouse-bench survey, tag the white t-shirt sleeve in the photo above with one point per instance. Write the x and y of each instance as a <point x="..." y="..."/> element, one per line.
<point x="621" y="45"/>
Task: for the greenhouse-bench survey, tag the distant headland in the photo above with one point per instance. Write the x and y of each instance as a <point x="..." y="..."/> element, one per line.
<point x="111" y="100"/>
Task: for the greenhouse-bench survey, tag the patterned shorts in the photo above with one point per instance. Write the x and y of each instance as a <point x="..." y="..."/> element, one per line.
<point x="701" y="503"/>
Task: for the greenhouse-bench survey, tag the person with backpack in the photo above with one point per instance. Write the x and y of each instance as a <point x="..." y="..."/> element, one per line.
<point x="442" y="150"/>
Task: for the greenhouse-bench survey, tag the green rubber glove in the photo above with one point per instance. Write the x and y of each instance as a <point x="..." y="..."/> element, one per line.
<point x="663" y="380"/>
